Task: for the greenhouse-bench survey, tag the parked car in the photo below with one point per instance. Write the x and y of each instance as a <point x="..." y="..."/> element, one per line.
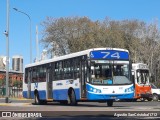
<point x="155" y="92"/>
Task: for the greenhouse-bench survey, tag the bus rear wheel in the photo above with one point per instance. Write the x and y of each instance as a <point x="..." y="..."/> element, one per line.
<point x="72" y="98"/>
<point x="110" y="103"/>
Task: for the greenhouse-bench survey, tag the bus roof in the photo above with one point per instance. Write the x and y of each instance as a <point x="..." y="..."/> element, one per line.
<point x="76" y="54"/>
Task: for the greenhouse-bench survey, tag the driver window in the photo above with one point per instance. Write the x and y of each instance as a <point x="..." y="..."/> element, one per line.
<point x="108" y="73"/>
<point x="118" y="71"/>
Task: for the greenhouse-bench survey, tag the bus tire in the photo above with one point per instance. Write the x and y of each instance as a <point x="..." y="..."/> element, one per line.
<point x="149" y="99"/>
<point x="72" y="98"/>
<point x="110" y="103"/>
<point x="155" y="97"/>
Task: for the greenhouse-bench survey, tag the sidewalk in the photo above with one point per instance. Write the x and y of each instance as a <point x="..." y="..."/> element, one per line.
<point x="14" y="98"/>
<point x="16" y="101"/>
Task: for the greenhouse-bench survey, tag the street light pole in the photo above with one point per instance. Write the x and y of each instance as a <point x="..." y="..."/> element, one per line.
<point x="30" y="32"/>
<point x="7" y="52"/>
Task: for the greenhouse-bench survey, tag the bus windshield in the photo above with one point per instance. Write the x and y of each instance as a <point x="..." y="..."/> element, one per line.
<point x="142" y="76"/>
<point x="110" y="73"/>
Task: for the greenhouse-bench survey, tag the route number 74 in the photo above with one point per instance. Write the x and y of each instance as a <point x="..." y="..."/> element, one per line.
<point x="112" y="55"/>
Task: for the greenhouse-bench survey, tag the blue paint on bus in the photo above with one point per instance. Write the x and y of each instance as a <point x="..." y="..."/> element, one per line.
<point x="62" y="94"/>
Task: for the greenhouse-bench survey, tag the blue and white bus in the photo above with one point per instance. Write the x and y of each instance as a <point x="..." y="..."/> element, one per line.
<point x="99" y="74"/>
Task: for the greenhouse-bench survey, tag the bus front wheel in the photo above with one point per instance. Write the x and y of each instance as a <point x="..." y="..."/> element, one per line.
<point x="72" y="98"/>
<point x="110" y="103"/>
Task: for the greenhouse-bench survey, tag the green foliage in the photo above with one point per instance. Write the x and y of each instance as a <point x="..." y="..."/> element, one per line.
<point x="2" y="82"/>
<point x="17" y="83"/>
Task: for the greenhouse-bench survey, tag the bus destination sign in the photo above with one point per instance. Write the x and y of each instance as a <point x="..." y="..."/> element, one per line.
<point x="109" y="54"/>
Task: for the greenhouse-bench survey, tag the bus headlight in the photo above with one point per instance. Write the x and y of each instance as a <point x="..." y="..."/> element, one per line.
<point x="95" y="90"/>
<point x="126" y="90"/>
<point x="98" y="91"/>
<point x="129" y="89"/>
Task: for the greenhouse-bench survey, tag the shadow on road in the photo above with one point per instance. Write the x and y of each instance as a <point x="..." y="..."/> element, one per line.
<point x="80" y="104"/>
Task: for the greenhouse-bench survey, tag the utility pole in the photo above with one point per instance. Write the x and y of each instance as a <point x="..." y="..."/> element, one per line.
<point x="37" y="44"/>
<point x="7" y="54"/>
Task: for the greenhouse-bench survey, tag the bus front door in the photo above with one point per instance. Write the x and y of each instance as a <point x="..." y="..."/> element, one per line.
<point x="83" y="78"/>
<point x="49" y="84"/>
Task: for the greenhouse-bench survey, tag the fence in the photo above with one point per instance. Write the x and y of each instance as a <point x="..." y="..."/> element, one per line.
<point x="15" y="85"/>
<point x="14" y="92"/>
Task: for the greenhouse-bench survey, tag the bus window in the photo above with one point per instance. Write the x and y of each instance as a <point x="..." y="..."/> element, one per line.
<point x="142" y="76"/>
<point x="76" y="67"/>
<point x="117" y="70"/>
<point x="101" y="74"/>
<point x="121" y="74"/>
<point x="26" y="75"/>
<point x="56" y="70"/>
<point x="59" y="70"/>
<point x="42" y="73"/>
<point x="110" y="73"/>
<point x="34" y="75"/>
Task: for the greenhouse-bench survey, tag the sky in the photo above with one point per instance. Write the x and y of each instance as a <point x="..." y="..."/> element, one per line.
<point x="38" y="10"/>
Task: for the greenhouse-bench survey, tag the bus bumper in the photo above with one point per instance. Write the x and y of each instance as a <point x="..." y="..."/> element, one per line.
<point x="147" y="96"/>
<point x="91" y="96"/>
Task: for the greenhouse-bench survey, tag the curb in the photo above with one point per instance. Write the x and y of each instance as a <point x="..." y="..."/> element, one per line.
<point x="17" y="99"/>
<point x="15" y="104"/>
<point x="20" y="99"/>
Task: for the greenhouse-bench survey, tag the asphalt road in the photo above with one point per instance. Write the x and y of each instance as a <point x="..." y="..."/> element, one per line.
<point x="84" y="110"/>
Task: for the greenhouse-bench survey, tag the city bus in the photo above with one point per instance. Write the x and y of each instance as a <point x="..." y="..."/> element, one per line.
<point x="141" y="77"/>
<point x="99" y="74"/>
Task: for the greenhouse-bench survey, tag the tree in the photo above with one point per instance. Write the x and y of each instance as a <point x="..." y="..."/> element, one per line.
<point x="73" y="34"/>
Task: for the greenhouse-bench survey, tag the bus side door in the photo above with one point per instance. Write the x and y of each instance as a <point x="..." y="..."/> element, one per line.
<point x="49" y="83"/>
<point x="29" y="83"/>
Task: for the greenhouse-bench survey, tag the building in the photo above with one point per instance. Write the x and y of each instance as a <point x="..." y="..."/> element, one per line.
<point x="17" y="63"/>
<point x="2" y="62"/>
<point x="15" y="83"/>
<point x="15" y="76"/>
